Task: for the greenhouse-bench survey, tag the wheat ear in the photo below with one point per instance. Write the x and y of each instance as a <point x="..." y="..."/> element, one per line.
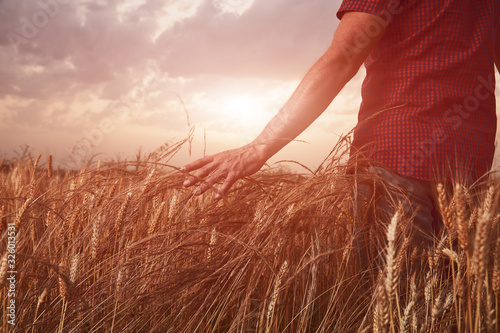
<point x="213" y="240"/>
<point x="63" y="287"/>
<point x="3" y="268"/>
<point x="121" y="213"/>
<point x="172" y="206"/>
<point x="153" y="226"/>
<point x="391" y="264"/>
<point x="404" y="325"/>
<point x="496" y="268"/>
<point x="37" y="160"/>
<point x="95" y="240"/>
<point x="382" y="310"/>
<point x="274" y="297"/>
<point x="478" y="260"/>
<point x="20" y="213"/>
<point x="49" y="167"/>
<point x="445" y="211"/>
<point x="73" y="272"/>
<point x="461" y="223"/>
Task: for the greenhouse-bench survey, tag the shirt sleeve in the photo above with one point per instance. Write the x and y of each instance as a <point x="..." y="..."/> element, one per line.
<point x="384" y="9"/>
<point x="497" y="16"/>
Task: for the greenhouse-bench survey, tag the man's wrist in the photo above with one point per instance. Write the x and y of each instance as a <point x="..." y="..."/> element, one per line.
<point x="262" y="150"/>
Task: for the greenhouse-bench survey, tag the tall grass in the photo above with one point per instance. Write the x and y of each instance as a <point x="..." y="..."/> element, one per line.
<point x="124" y="248"/>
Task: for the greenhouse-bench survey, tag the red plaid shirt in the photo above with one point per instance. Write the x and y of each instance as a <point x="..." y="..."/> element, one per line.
<point x="428" y="108"/>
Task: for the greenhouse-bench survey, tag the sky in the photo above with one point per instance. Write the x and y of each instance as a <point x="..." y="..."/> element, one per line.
<point x="104" y="78"/>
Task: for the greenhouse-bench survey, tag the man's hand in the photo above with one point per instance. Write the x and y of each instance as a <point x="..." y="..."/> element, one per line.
<point x="229" y="166"/>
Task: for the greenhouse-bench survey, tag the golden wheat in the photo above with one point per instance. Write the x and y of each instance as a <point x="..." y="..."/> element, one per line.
<point x="106" y="249"/>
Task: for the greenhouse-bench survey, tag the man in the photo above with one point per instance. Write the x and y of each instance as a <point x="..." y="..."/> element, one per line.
<point x="428" y="109"/>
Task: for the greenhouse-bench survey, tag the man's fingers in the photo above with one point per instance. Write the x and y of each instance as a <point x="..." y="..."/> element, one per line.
<point x="210" y="181"/>
<point x="209" y="170"/>
<point x="228" y="182"/>
<point x="197" y="164"/>
<point x="200" y="174"/>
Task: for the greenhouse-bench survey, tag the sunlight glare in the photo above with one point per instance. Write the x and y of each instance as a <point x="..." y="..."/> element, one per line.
<point x="244" y="110"/>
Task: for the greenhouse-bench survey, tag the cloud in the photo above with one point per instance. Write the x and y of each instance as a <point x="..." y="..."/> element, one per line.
<point x="99" y="45"/>
<point x="277" y="38"/>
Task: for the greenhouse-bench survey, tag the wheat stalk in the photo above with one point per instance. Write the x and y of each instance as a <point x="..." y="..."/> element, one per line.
<point x="153" y="226"/>
<point x="146" y="182"/>
<point x="50" y="217"/>
<point x="312" y="285"/>
<point x="480" y="253"/>
<point x="479" y="257"/>
<point x="490" y="312"/>
<point x="274" y="297"/>
<point x="98" y="200"/>
<point x="63" y="287"/>
<point x="473" y="218"/>
<point x="121" y="213"/>
<point x="437" y="307"/>
<point x="172" y="206"/>
<point x="488" y="200"/>
<point x="435" y="256"/>
<point x="376" y="318"/>
<point x="4" y="268"/>
<point x="431" y="279"/>
<point x="73" y="218"/>
<point x="460" y="280"/>
<point x="74" y="268"/>
<point x="213" y="239"/>
<point x="391" y="264"/>
<point x="451" y="254"/>
<point x="2" y="214"/>
<point x="449" y="301"/>
<point x="49" y="167"/>
<point x="414" y="321"/>
<point x="460" y="221"/>
<point x="41" y="299"/>
<point x="445" y="211"/>
<point x="383" y="310"/>
<point x="414" y="258"/>
<point x="37" y="161"/>
<point x="496" y="268"/>
<point x="402" y="258"/>
<point x="112" y="190"/>
<point x="119" y="280"/>
<point x="404" y="324"/>
<point x="21" y="212"/>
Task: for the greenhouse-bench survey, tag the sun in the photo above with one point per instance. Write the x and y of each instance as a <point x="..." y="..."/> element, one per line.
<point x="244" y="109"/>
<point x="240" y="104"/>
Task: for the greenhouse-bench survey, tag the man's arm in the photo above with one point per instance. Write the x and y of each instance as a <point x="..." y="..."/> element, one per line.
<point x="352" y="42"/>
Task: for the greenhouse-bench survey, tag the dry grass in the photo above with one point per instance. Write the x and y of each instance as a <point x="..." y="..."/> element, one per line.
<point x="109" y="249"/>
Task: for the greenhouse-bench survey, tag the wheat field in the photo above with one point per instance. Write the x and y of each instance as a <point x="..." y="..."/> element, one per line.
<point x="123" y="247"/>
